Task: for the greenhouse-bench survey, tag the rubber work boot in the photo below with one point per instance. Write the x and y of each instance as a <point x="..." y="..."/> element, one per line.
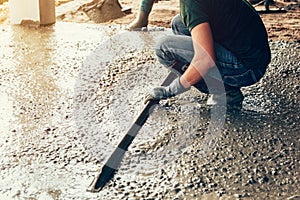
<point x="140" y="22"/>
<point x="233" y="98"/>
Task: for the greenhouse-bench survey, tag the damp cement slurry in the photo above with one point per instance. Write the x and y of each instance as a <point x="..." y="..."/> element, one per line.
<point x="69" y="93"/>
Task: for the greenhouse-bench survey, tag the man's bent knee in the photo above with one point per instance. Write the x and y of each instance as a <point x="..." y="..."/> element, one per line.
<point x="162" y="51"/>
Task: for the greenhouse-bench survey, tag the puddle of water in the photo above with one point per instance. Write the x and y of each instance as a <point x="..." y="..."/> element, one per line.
<point x="38" y="73"/>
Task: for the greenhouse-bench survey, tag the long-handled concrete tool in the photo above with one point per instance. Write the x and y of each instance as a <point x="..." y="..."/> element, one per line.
<point x="115" y="159"/>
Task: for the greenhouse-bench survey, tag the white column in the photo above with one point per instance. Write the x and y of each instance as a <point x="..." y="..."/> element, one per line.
<point x="32" y="12"/>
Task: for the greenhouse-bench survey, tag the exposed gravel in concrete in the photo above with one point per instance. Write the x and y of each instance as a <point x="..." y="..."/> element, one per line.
<point x="69" y="95"/>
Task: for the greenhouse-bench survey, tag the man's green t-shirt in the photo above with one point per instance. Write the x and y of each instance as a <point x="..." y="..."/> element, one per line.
<point x="234" y="24"/>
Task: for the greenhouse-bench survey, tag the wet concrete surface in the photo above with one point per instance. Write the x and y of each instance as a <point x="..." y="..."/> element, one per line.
<point x="68" y="94"/>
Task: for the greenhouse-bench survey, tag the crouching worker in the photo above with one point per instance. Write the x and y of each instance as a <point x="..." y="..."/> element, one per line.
<point x="218" y="46"/>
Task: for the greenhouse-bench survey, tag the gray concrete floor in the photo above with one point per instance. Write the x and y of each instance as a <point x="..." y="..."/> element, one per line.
<point x="69" y="92"/>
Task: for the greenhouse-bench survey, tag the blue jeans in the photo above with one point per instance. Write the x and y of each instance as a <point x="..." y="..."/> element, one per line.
<point x="178" y="48"/>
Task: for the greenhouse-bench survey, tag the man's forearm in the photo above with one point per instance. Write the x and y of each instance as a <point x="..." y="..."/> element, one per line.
<point x="190" y="77"/>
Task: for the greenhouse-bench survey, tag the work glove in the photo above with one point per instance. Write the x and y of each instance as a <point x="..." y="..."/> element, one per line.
<point x="165" y="92"/>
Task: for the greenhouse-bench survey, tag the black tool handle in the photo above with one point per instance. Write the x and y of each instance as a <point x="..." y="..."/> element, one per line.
<point x="116" y="157"/>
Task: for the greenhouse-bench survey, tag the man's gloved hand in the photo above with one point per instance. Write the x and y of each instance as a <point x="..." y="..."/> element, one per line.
<point x="164" y="92"/>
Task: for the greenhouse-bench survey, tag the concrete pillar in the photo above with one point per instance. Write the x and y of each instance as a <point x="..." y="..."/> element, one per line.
<point x="40" y="12"/>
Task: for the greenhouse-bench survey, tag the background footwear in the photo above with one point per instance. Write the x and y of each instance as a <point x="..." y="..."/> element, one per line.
<point x="140" y="22"/>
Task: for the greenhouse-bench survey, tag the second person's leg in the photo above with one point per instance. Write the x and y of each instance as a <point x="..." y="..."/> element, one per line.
<point x="143" y="15"/>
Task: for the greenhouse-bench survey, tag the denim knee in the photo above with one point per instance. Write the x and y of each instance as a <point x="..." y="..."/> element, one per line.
<point x="161" y="51"/>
